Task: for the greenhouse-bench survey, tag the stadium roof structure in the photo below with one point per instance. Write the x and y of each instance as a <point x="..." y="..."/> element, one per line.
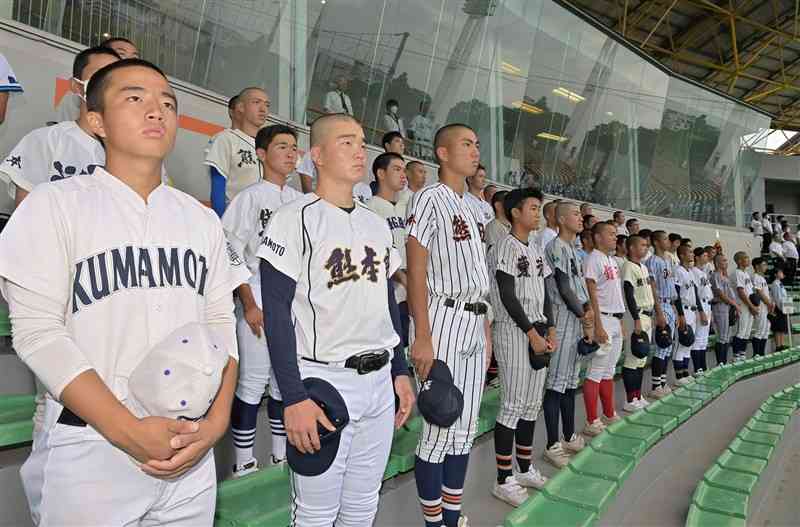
<point x="746" y="49"/>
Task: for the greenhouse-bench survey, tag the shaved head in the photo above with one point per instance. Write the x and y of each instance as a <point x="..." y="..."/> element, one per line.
<point x="322" y="126"/>
<point x="563" y="207"/>
<point x="446" y="135"/>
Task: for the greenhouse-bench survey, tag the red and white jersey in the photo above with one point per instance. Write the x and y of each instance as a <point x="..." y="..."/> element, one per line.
<point x="604" y="271"/>
<point x="341" y="261"/>
<point x="233" y="154"/>
<point x="448" y="226"/>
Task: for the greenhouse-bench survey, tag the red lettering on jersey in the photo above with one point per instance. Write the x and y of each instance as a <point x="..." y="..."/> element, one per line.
<point x="610" y="272"/>
<point x="460" y="229"/>
<point x="482" y="231"/>
<point x="410" y="221"/>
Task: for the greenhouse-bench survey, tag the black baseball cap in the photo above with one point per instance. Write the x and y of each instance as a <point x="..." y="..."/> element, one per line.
<point x="440" y="402"/>
<point x="733" y="316"/>
<point x="663" y="336"/>
<point x="330" y="401"/>
<point x="686" y="335"/>
<point x="755" y="299"/>
<point x="586" y="347"/>
<point x="640" y="345"/>
<point x="539" y="360"/>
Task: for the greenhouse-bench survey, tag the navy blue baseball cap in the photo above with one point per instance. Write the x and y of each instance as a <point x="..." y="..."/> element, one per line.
<point x="586" y="347"/>
<point x="686" y="336"/>
<point x="664" y="336"/>
<point x="440" y="402"/>
<point x="330" y="401"/>
<point x="640" y="345"/>
<point x="755" y="299"/>
<point x="539" y="360"/>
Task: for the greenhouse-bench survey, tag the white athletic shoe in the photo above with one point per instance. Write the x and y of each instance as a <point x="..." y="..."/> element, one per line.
<point x="574" y="445"/>
<point x="632" y="406"/>
<point x="556" y="456"/>
<point x="595" y="428"/>
<point x="613" y="419"/>
<point x="642" y="402"/>
<point x="510" y="492"/>
<point x="684" y="381"/>
<point x="275" y="461"/>
<point x="659" y="392"/>
<point x="245" y="468"/>
<point x="463" y="521"/>
<point x="532" y="478"/>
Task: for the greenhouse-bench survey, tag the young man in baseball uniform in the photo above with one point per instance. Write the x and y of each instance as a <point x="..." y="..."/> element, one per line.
<point x="705" y="296"/>
<point x="724" y="301"/>
<point x="573" y="319"/>
<point x="550" y="231"/>
<point x="119" y="261"/>
<point x="520" y="301"/>
<point x="447" y="297"/>
<point x="605" y="294"/>
<point x="499" y="227"/>
<point x="687" y="303"/>
<point x="328" y="300"/>
<point x="244" y="222"/>
<point x="65" y="149"/>
<point x="231" y="154"/>
<point x="639" y="297"/>
<point x="766" y="307"/>
<point x="475" y="186"/>
<point x="661" y="270"/>
<point x="416" y="176"/>
<point x="747" y="311"/>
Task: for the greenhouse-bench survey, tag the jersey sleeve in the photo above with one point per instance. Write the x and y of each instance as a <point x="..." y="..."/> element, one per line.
<point x="26" y="166"/>
<point x="546" y="269"/>
<point x="628" y="273"/>
<point x="556" y="258"/>
<point x="8" y="80"/>
<point x="741" y="280"/>
<point x="506" y="258"/>
<point x="227" y="269"/>
<point x="306" y="166"/>
<point x="218" y="154"/>
<point x="238" y="222"/>
<point x="283" y="243"/>
<point x="422" y="223"/>
<point x="593" y="269"/>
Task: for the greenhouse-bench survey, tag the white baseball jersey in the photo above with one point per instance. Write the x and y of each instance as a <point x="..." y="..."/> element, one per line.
<point x="485" y="211"/>
<point x="394" y="214"/>
<point x="604" y="271"/>
<point x="545" y="236"/>
<point x="526" y="263"/>
<point x="362" y="192"/>
<point x="338" y="102"/>
<point x="789" y="249"/>
<point x="742" y="279"/>
<point x="245" y="222"/>
<point x="8" y="80"/>
<point x="69" y="108"/>
<point x="340" y="261"/>
<point x="703" y="283"/>
<point x="776" y="248"/>
<point x="446" y="224"/>
<point x="757" y="227"/>
<point x="51" y="153"/>
<point x="496" y="230"/>
<point x="233" y="154"/>
<point x="685" y="280"/>
<point x="117" y="268"/>
<point x="622" y="230"/>
<point x="760" y="284"/>
<point x="305" y="166"/>
<point x="403" y="199"/>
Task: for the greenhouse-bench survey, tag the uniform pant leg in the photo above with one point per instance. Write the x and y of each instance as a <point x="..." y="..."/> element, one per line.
<point x="669" y="315"/>
<point x="184" y="502"/>
<point x="563" y="372"/>
<point x="745" y="324"/>
<point x="254" y="364"/>
<point x="681" y="351"/>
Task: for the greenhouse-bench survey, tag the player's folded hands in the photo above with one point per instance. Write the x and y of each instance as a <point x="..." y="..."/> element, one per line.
<point x="150" y="438"/>
<point x="300" y="420"/>
<point x="191" y="443"/>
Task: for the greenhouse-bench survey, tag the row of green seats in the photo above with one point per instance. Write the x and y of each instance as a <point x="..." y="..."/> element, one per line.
<point x="722" y="497"/>
<point x="16" y="419"/>
<point x="582" y="490"/>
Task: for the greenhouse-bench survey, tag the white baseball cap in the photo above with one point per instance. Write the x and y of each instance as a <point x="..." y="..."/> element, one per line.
<point x="180" y="376"/>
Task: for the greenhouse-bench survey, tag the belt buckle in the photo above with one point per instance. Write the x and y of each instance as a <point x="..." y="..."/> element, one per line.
<point x="368" y="362"/>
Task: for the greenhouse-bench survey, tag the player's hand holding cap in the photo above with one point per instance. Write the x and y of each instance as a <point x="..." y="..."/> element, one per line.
<point x="755" y="299"/>
<point x="587" y="347"/>
<point x="640" y="345"/>
<point x="330" y="401"/>
<point x="664" y="337"/>
<point x="439" y="401"/>
<point x="686" y="336"/>
<point x="539" y="360"/>
<point x="733" y="316"/>
<point x="180" y="376"/>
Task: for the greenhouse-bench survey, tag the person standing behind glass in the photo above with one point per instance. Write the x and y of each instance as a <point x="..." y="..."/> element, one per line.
<point x="337" y="101"/>
<point x="392" y="122"/>
<point x="421" y="132"/>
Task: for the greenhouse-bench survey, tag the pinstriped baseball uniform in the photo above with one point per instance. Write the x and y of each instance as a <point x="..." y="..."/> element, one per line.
<point x="704" y="291"/>
<point x="446" y="224"/>
<point x="521" y="386"/>
<point x="722" y="283"/>
<point x="564" y="370"/>
<point x="742" y="279"/>
<point x="496" y="230"/>
<point x="637" y="275"/>
<point x="685" y="280"/>
<point x="761" y="324"/>
<point x="661" y="271"/>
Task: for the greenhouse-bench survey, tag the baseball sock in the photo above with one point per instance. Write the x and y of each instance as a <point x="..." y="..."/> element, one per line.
<point x="568" y="414"/>
<point x="429" y="488"/>
<point x="721" y="352"/>
<point x="275" y="413"/>
<point x="455" y="472"/>
<point x="524" y="441"/>
<point x="629" y="380"/>
<point x="655" y="371"/>
<point x="503" y="443"/>
<point x="551" y="404"/>
<point x="591" y="393"/>
<point x="243" y="429"/>
<point x="739" y="345"/>
<point x="607" y="396"/>
<point x="678" y="366"/>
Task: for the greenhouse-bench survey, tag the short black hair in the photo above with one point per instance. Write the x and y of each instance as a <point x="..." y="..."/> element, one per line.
<point x="388" y="137"/>
<point x="698" y="251"/>
<point x="265" y="136"/>
<point x="644" y="233"/>
<point x="586" y="234"/>
<point x="82" y="59"/>
<point x="656" y="235"/>
<point x="392" y="102"/>
<point x="515" y="198"/>
<point x="586" y="219"/>
<point x="686" y="241"/>
<point x="382" y="162"/>
<point x="684" y="249"/>
<point x="617" y="213"/>
<point x="630" y="222"/>
<point x="437" y="138"/>
<point x="107" y="42"/>
<point x="599" y="227"/>
<point x="758" y="261"/>
<point x="95" y="93"/>
<point x="673" y="237"/>
<point x="232" y="102"/>
<point x="621" y="239"/>
<point x="633" y="238"/>
<point x="414" y="162"/>
<point x="498" y="197"/>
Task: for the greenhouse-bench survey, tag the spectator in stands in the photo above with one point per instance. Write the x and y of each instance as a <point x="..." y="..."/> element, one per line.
<point x="687" y="242"/>
<point x="337" y="100"/>
<point x="671" y="253"/>
<point x="67" y="149"/>
<point x="790" y="255"/>
<point x="766" y="235"/>
<point x="589" y="220"/>
<point x="619" y="223"/>
<point x="499" y="227"/>
<point x="392" y="122"/>
<point x="421" y="130"/>
<point x="416" y="176"/>
<point x="393" y="142"/>
<point x="586" y="210"/>
<point x="8" y="85"/>
<point x="633" y="226"/>
<point x="776" y="246"/>
<point x="779" y="323"/>
<point x="777" y="222"/>
<point x="550" y="231"/>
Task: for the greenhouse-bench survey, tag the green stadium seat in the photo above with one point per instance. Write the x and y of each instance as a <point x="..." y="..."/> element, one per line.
<point x="777" y="409"/>
<point x="700" y="518"/>
<point x="619" y="446"/>
<point x="746" y="464"/>
<point x="601" y="465"/>
<point x="686" y="400"/>
<point x="759" y="437"/>
<point x="649" y="434"/>
<point x="721" y="501"/>
<point x="665" y="423"/>
<point x="582" y="491"/>
<point x="558" y="513"/>
<point x="16" y="419"/>
<point x="759" y="426"/>
<point x="767" y="417"/>
<point x="680" y="412"/>
<point x="261" y="498"/>
<point x="733" y="480"/>
<point x="756" y="450"/>
<point x="5" y="323"/>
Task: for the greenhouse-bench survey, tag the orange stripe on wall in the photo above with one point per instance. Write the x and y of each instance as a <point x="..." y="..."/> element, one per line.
<point x="62" y="87"/>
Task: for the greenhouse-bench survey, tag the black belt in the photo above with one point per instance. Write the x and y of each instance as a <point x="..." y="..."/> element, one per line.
<point x="364" y="363"/>
<point x="647" y="313"/>
<point x="479" y="308"/>
<point x="68" y="418"/>
<point x="692" y="308"/>
<point x="667" y="301"/>
<point x="615" y="315"/>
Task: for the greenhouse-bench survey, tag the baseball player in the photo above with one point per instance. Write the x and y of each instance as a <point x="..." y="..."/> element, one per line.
<point x="779" y="324"/>
<point x="605" y="294"/>
<point x="416" y="175"/>
<point x="231" y="154"/>
<point x="474" y="195"/>
<point x="550" y="231"/>
<point x="705" y="296"/>
<point x="724" y="301"/>
<point x="8" y="85"/>
<point x="57" y="152"/>
<point x="687" y="303"/>
<point x="447" y="299"/>
<point x="660" y="267"/>
<point x="327" y="296"/>
<point x="639" y="297"/>
<point x="117" y="262"/>
<point x="308" y="178"/>
<point x="747" y="311"/>
<point x="519" y="300"/>
<point x="573" y="319"/>
<point x="499" y="227"/>
<point x="761" y="323"/>
<point x="244" y="222"/>
<point x="390" y="174"/>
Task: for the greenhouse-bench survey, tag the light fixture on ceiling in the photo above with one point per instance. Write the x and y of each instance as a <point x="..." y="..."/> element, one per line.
<point x="526" y="107"/>
<point x="569" y="95"/>
<point x="510" y="68"/>
<point x="552" y="137"/>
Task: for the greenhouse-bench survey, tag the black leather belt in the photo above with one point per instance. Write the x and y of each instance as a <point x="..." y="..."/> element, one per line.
<point x="68" y="418"/>
<point x="615" y="315"/>
<point x="479" y="308"/>
<point x="364" y="363"/>
<point x="647" y="313"/>
<point x="692" y="308"/>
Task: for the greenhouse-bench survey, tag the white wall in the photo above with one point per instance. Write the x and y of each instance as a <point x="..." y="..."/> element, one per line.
<point x="780" y="167"/>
